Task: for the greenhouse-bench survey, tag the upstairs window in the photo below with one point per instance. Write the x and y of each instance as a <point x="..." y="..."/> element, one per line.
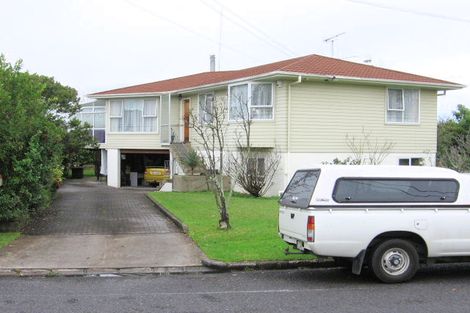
<point x="403" y="106"/>
<point x="253" y="100"/>
<point x="206" y="102"/>
<point x="93" y="114"/>
<point x="134" y="115"/>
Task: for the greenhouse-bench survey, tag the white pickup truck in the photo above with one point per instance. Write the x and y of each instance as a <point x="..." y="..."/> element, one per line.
<point x="389" y="218"/>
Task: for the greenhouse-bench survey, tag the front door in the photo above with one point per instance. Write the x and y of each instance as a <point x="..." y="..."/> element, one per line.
<point x="186" y="119"/>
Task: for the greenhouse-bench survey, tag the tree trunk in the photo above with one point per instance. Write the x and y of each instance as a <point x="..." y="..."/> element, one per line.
<point x="224" y="222"/>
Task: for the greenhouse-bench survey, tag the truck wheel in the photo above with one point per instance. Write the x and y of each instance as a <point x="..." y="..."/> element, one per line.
<point x="394" y="261"/>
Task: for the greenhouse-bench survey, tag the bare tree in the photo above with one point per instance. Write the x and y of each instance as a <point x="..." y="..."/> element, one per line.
<point x="368" y="151"/>
<point x="210" y="126"/>
<point x="252" y="168"/>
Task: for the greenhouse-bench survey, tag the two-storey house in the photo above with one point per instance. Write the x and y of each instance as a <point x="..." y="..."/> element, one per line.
<point x="305" y="108"/>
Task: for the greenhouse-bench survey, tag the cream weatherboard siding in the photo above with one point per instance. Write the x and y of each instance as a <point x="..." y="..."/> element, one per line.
<point x="264" y="134"/>
<point x="133" y="141"/>
<point x="322" y="114"/>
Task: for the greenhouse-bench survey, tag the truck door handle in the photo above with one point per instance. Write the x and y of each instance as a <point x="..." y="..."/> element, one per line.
<point x="292" y="215"/>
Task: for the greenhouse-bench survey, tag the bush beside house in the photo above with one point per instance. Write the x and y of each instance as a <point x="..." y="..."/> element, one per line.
<point x="33" y="115"/>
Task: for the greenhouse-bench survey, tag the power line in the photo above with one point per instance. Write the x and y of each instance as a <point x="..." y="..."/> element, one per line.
<point x="250" y="28"/>
<point x="164" y="18"/>
<point x="411" y="11"/>
<point x="282" y="46"/>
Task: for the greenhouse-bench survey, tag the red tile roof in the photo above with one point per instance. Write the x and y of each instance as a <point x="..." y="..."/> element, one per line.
<point x="310" y="65"/>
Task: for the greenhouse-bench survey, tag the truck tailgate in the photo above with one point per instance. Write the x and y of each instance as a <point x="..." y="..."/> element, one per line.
<point x="293" y="222"/>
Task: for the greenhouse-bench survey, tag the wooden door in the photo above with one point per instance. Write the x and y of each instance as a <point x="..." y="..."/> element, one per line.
<point x="186" y="119"/>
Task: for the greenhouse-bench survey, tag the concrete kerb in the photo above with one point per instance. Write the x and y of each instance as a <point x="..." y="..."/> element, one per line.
<point x="269" y="265"/>
<point x="60" y="272"/>
<point x="240" y="266"/>
<point x="184" y="228"/>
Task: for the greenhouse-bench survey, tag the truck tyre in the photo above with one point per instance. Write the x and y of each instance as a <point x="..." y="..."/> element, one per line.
<point x="394" y="261"/>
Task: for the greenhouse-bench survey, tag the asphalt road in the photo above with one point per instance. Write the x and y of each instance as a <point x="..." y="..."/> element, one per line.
<point x="436" y="289"/>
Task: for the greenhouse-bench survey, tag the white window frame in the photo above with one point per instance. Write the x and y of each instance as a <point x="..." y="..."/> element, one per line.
<point x="249" y="86"/>
<point x="402" y="100"/>
<point x="410" y="161"/>
<point x="387" y="109"/>
<point x="93" y="110"/>
<point x="116" y="116"/>
<point x="157" y="110"/>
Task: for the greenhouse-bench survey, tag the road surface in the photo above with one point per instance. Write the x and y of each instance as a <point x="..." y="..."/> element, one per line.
<point x="435" y="289"/>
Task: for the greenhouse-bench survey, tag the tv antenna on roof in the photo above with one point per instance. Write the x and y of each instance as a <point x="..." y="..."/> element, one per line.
<point x="332" y="40"/>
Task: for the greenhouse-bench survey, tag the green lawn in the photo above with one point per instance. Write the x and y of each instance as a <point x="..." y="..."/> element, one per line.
<point x="6" y="238"/>
<point x="253" y="236"/>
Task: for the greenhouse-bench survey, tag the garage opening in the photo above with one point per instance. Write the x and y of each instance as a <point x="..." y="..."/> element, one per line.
<point x="144" y="168"/>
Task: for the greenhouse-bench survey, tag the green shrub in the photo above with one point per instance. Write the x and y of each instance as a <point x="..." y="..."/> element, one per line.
<point x="32" y="134"/>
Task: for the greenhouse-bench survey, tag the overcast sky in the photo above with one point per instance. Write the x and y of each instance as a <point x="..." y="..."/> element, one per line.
<point x="103" y="44"/>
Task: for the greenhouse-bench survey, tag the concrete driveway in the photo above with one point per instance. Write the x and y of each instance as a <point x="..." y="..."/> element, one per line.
<point x="98" y="227"/>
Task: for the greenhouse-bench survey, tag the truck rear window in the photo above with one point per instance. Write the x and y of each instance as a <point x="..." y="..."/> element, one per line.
<point x="300" y="189"/>
<point x="372" y="190"/>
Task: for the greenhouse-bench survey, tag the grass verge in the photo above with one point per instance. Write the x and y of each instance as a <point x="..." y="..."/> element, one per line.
<point x="6" y="238"/>
<point x="253" y="237"/>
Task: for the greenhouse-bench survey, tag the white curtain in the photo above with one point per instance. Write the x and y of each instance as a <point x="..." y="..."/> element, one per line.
<point x="99" y="120"/>
<point x="150" y="115"/>
<point x="411" y="106"/>
<point x="133" y="113"/>
<point x="238" y="101"/>
<point x="150" y="107"/>
<point x="150" y="124"/>
<point x="261" y="102"/>
<point x="116" y="108"/>
<point x="205" y="107"/>
<point x="395" y="99"/>
<point x="261" y="95"/>
<point x="403" y="106"/>
<point x="116" y="124"/>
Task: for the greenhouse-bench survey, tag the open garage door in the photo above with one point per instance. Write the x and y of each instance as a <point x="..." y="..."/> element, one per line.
<point x="134" y="163"/>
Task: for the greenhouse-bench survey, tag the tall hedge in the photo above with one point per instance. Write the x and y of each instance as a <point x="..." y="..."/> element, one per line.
<point x="31" y="138"/>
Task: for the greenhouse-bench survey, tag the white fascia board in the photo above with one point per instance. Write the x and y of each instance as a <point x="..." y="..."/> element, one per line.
<point x="440" y="86"/>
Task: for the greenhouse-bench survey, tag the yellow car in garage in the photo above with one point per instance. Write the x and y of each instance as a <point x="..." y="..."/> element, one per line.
<point x="154" y="175"/>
